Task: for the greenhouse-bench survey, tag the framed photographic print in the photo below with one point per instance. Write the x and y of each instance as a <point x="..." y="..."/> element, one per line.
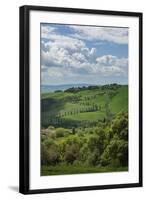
<point x="80" y="99"/>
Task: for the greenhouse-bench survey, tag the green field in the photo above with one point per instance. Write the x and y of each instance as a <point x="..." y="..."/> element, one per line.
<point x="57" y="170"/>
<point x="87" y="105"/>
<point x="84" y="130"/>
<point x="91" y="116"/>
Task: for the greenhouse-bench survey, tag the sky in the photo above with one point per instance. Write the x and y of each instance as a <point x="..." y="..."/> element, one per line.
<point x="75" y="54"/>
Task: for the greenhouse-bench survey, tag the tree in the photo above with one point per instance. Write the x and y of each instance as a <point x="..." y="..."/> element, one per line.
<point x="120" y="125"/>
<point x="49" y="154"/>
<point x="95" y="145"/>
<point x="116" y="149"/>
<point x="71" y="153"/>
<point x="93" y="158"/>
<point x="116" y="153"/>
<point x="84" y="152"/>
<point x="61" y="132"/>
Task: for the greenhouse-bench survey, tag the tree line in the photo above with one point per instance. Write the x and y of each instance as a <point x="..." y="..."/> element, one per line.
<point x="113" y="86"/>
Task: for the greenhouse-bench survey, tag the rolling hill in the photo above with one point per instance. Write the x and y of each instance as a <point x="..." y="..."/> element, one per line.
<point x="84" y="105"/>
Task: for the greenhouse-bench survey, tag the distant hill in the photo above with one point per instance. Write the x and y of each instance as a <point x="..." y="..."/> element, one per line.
<point x="52" y="88"/>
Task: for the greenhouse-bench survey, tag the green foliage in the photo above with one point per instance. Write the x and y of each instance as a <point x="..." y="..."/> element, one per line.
<point x="77" y="169"/>
<point x="48" y="142"/>
<point x="71" y="153"/>
<point x="93" y="158"/>
<point x="61" y="132"/>
<point x="84" y="152"/>
<point x="49" y="153"/>
<point x="52" y="135"/>
<point x="105" y="145"/>
<point x="120" y="125"/>
<point x="89" y="104"/>
<point x="51" y="127"/>
<point x="86" y="131"/>
<point x="116" y="151"/>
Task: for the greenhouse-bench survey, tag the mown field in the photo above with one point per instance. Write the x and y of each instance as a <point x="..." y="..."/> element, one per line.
<point x="84" y="130"/>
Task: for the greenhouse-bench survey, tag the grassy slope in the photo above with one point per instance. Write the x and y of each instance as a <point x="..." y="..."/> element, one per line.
<point x="120" y="101"/>
<point x="90" y="116"/>
<point x="64" y="103"/>
<point x="59" y="170"/>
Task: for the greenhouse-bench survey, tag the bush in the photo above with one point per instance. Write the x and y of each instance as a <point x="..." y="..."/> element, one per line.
<point x="116" y="153"/>
<point x="96" y="143"/>
<point x="48" y="142"/>
<point x="80" y="133"/>
<point x="77" y="163"/>
<point x="43" y="138"/>
<point x="49" y="154"/>
<point x="61" y="132"/>
<point x="105" y="144"/>
<point x="120" y="125"/>
<point x="84" y="152"/>
<point x="52" y="135"/>
<point x="93" y="158"/>
<point x="71" y="153"/>
<point x="51" y="127"/>
<point x="44" y="154"/>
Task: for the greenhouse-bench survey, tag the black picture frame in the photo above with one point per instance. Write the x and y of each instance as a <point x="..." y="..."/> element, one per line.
<point x="25" y="105"/>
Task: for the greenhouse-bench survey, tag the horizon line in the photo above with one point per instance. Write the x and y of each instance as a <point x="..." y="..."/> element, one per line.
<point x="83" y="84"/>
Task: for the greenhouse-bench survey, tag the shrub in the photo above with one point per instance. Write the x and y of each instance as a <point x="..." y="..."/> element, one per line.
<point x="61" y="132"/>
<point x="116" y="153"/>
<point x="84" y="152"/>
<point x="71" y="153"/>
<point x="80" y="133"/>
<point x="77" y="163"/>
<point x="44" y="154"/>
<point x="49" y="155"/>
<point x="48" y="142"/>
<point x="43" y="138"/>
<point x="52" y="135"/>
<point x="51" y="127"/>
<point x="120" y="125"/>
<point x="93" y="158"/>
<point x="95" y="142"/>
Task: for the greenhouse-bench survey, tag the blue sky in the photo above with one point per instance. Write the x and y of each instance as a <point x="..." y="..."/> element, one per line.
<point x="72" y="54"/>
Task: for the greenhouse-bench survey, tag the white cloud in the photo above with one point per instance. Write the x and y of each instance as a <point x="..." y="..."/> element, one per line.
<point x="46" y="31"/>
<point x="116" y="35"/>
<point x="112" y="65"/>
<point x="78" y="63"/>
<point x="65" y="51"/>
<point x="109" y="60"/>
<point x="55" y="72"/>
<point x="58" y="40"/>
<point x="68" y="59"/>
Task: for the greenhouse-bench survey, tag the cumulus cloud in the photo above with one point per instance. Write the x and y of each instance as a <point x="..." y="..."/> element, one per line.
<point x="46" y="30"/>
<point x="109" y="60"/>
<point x="66" y="58"/>
<point x="112" y="65"/>
<point x="64" y="51"/>
<point x="59" y="40"/>
<point x="54" y="72"/>
<point x="116" y="35"/>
